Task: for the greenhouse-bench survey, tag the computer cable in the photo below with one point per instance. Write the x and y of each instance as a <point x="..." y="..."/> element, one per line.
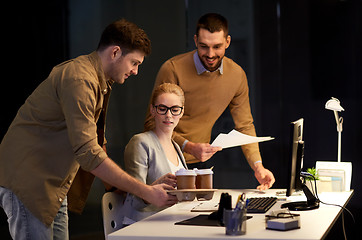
<point x="315" y="192"/>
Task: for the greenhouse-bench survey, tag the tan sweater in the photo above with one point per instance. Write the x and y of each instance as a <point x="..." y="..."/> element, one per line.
<point x="206" y="97"/>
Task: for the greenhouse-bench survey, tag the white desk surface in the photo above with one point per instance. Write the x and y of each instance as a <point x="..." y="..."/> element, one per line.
<point x="315" y="224"/>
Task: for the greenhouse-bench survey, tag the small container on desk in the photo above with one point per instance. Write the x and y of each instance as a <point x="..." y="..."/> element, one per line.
<point x="235" y="221"/>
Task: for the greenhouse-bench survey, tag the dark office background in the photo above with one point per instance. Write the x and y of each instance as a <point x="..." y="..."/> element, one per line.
<point x="297" y="54"/>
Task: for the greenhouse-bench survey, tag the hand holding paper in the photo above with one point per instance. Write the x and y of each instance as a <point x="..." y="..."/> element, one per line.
<point x="235" y="138"/>
<point x="201" y="151"/>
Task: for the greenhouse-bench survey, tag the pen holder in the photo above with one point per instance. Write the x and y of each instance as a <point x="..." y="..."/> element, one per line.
<point x="235" y="221"/>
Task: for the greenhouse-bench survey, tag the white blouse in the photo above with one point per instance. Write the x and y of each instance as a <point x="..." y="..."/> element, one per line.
<point x="175" y="168"/>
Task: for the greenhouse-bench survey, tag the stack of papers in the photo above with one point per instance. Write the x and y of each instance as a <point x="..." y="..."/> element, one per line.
<point x="235" y="138"/>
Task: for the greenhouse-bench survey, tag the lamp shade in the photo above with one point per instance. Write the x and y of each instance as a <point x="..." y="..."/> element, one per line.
<point x="334" y="105"/>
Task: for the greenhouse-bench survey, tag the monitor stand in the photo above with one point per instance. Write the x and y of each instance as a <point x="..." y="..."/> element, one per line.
<point x="311" y="203"/>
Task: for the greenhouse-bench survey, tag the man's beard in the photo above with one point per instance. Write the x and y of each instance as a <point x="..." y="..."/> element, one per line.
<point x="213" y="68"/>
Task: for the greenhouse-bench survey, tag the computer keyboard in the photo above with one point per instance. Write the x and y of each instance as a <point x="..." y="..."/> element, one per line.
<point x="260" y="204"/>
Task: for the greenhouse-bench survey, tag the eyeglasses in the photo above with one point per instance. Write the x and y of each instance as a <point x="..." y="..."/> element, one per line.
<point x="174" y="110"/>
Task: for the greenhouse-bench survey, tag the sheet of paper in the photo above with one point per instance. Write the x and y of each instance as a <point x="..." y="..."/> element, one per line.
<point x="235" y="138"/>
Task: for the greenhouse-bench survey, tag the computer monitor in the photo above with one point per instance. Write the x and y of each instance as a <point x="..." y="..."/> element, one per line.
<point x="294" y="171"/>
<point x="296" y="151"/>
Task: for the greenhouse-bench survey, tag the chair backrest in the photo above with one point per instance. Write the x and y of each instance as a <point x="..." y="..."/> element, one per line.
<point x="112" y="204"/>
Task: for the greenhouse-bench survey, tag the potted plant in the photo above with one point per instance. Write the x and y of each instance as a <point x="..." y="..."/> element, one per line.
<point x="309" y="181"/>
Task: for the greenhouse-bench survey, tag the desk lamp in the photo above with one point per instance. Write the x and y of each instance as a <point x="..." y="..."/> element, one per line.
<point x="334" y="105"/>
<point x="339" y="170"/>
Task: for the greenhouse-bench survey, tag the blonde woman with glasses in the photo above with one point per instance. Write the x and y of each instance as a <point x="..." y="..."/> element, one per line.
<point x="153" y="157"/>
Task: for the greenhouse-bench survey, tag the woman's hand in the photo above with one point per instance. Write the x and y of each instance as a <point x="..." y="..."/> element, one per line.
<point x="169" y="179"/>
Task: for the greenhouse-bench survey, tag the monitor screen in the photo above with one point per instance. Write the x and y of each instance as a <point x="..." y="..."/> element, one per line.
<point x="296" y="151"/>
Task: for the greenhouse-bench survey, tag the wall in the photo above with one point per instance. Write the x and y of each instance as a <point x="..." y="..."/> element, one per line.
<point x="307" y="52"/>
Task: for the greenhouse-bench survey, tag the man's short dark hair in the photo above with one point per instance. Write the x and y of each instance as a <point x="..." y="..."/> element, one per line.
<point x="127" y="35"/>
<point x="213" y="22"/>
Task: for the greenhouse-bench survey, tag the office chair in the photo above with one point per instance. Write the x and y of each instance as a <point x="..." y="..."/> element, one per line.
<point x="112" y="204"/>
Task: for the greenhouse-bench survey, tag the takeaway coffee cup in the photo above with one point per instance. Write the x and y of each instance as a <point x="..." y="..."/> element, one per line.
<point x="204" y="178"/>
<point x="185" y="179"/>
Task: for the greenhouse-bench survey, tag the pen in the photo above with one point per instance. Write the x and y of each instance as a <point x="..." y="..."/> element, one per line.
<point x="247" y="202"/>
<point x="239" y="205"/>
<point x="241" y="199"/>
<point x="238" y="199"/>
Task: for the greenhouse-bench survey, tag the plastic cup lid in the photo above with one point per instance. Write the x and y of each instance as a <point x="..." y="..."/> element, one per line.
<point x="185" y="172"/>
<point x="203" y="171"/>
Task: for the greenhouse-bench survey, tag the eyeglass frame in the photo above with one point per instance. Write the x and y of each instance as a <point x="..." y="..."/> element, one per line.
<point x="167" y="109"/>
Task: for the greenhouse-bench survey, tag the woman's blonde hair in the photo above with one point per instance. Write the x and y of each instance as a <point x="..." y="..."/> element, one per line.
<point x="159" y="90"/>
<point x="167" y="88"/>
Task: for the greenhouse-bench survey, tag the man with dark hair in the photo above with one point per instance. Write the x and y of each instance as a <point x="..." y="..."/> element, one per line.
<point x="213" y="22"/>
<point x="126" y="35"/>
<point x="211" y="82"/>
<point x="55" y="145"/>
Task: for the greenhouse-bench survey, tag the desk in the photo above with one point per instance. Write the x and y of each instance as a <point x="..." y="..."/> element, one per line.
<point x="315" y="224"/>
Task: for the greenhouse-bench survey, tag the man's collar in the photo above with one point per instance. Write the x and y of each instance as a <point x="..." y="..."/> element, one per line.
<point x="200" y="67"/>
<point x="105" y="84"/>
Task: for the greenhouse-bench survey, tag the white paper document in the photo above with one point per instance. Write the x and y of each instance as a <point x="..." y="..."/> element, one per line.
<point x="235" y="138"/>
